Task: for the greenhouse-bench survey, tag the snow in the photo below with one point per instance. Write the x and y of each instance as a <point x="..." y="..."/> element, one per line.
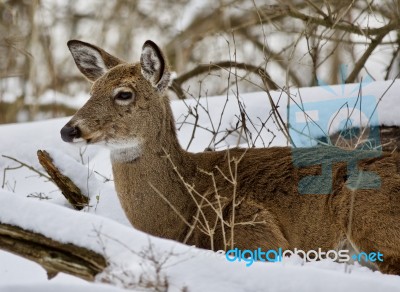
<point x="41" y="287"/>
<point x="186" y="266"/>
<point x="34" y="203"/>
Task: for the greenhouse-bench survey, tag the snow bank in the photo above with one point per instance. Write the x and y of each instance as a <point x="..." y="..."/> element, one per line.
<point x="186" y="266"/>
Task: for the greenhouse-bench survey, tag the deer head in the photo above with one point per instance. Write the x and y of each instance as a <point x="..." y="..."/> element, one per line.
<point x="126" y="109"/>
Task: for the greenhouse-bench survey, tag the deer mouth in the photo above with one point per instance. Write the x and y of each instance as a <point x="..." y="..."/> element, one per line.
<point x="91" y="139"/>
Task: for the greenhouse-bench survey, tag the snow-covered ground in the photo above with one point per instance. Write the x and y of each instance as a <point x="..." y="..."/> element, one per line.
<point x="28" y="200"/>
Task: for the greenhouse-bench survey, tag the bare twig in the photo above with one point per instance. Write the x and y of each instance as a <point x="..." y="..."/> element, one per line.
<point x="30" y="167"/>
<point x="348" y="27"/>
<point x="207" y="68"/>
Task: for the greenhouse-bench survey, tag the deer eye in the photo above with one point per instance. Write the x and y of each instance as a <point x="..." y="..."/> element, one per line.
<point x="124" y="95"/>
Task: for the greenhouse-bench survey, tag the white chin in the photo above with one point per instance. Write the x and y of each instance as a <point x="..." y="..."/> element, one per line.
<point x="78" y="142"/>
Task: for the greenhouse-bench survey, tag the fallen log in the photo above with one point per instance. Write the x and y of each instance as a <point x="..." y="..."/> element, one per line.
<point x="52" y="255"/>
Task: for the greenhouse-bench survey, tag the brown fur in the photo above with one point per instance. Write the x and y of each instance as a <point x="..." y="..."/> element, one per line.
<point x="267" y="180"/>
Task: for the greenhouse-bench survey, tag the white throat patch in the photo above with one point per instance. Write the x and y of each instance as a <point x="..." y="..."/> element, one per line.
<point x="126" y="153"/>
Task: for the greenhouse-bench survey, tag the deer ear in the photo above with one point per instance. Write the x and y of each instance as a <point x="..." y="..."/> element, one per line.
<point x="154" y="67"/>
<point x="92" y="61"/>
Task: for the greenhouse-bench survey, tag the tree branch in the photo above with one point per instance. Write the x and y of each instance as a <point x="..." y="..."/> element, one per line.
<point x="52" y="255"/>
<point x="361" y="62"/>
<point x="68" y="188"/>
<point x="348" y="27"/>
<point x="204" y="68"/>
<point x="268" y="54"/>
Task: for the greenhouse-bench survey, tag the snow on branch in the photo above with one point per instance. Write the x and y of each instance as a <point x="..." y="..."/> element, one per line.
<point x="52" y="255"/>
<point x="68" y="188"/>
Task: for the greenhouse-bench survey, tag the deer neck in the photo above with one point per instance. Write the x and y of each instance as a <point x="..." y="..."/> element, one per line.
<point x="164" y="144"/>
<point x="146" y="175"/>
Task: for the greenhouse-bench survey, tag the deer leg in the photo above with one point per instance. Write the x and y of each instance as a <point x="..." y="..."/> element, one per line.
<point x="254" y="227"/>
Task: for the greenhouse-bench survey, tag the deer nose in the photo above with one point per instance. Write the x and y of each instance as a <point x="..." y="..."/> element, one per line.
<point x="68" y="133"/>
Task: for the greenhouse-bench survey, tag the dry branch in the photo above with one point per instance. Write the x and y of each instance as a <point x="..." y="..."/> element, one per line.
<point x="23" y="164"/>
<point x="206" y="68"/>
<point x="361" y="62"/>
<point x="68" y="188"/>
<point x="219" y="21"/>
<point x="52" y="255"/>
<point x="329" y="23"/>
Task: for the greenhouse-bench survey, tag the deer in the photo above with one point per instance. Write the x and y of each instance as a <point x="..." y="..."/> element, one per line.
<point x="243" y="198"/>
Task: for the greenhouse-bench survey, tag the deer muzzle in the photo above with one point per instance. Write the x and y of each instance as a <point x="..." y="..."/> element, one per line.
<point x="68" y="133"/>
